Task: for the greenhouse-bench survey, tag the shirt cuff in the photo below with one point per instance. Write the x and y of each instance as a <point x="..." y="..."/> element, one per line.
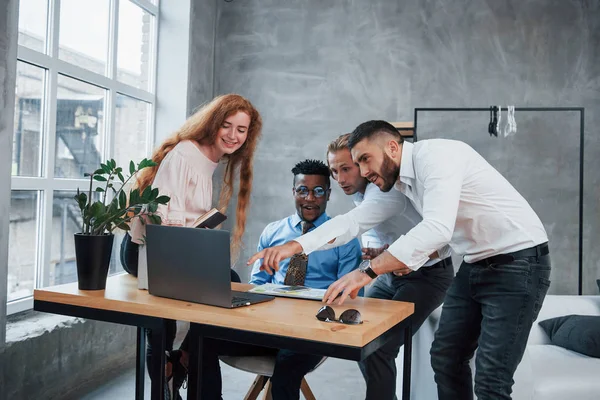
<point x="401" y="250"/>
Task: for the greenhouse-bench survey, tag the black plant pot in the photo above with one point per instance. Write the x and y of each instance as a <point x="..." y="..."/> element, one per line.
<point x="93" y="259"/>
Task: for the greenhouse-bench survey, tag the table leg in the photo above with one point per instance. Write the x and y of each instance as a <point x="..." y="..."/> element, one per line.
<point x="406" y="375"/>
<point x="195" y="363"/>
<point x="158" y="341"/>
<point x="140" y="365"/>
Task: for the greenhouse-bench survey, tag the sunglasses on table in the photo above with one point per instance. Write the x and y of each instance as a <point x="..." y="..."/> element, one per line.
<point x="303" y="191"/>
<point x="349" y="317"/>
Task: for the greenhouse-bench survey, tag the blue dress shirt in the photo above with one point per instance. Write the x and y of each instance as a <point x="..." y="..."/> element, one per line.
<point x="324" y="267"/>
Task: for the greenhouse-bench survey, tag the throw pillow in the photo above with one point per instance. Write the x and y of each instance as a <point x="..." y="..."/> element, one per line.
<point x="580" y="333"/>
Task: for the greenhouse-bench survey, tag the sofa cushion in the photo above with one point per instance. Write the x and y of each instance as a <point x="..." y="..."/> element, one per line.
<point x="558" y="306"/>
<point x="580" y="333"/>
<point x="560" y="374"/>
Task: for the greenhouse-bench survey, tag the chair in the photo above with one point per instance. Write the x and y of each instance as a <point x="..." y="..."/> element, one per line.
<point x="263" y="367"/>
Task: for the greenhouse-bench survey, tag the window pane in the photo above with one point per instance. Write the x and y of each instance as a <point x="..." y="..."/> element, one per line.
<point x="22" y="241"/>
<point x="27" y="140"/>
<point x="79" y="128"/>
<point x="83" y="37"/>
<point x="134" y="44"/>
<point x="131" y="130"/>
<point x="33" y="20"/>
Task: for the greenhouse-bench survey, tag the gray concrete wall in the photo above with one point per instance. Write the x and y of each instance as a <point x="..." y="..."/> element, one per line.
<point x="62" y="358"/>
<point x="8" y="55"/>
<point x="316" y="69"/>
<point x="201" y="53"/>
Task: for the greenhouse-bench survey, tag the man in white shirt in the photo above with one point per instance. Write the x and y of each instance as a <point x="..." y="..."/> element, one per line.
<point x="501" y="284"/>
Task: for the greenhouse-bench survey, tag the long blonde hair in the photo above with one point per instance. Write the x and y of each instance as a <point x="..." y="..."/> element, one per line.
<point x="203" y="127"/>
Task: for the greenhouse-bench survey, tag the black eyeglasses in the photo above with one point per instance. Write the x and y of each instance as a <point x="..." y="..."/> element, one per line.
<point x="303" y="191"/>
<point x="350" y="317"/>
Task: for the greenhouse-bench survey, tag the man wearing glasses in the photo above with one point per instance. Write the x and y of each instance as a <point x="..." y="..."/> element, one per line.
<point x="320" y="269"/>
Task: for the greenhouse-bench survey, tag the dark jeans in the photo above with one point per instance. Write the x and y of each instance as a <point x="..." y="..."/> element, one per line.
<point x="426" y="288"/>
<point x="492" y="307"/>
<point x="290" y="368"/>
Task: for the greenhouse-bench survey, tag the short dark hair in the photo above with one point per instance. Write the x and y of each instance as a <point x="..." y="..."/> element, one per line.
<point x="311" y="167"/>
<point x="370" y="128"/>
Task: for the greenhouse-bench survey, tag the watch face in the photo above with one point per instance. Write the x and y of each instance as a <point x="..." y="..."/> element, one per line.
<point x="364" y="265"/>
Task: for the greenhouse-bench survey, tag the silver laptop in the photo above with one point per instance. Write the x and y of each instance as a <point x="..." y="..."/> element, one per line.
<point x="193" y="264"/>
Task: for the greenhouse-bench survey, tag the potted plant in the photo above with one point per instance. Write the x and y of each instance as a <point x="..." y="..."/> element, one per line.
<point x="93" y="245"/>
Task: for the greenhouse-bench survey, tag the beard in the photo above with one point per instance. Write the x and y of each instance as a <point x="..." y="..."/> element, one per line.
<point x="389" y="173"/>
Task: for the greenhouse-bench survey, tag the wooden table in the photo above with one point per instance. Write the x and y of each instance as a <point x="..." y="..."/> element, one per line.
<point x="281" y="323"/>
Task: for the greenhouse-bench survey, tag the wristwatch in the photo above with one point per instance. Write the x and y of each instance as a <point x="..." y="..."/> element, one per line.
<point x="365" y="268"/>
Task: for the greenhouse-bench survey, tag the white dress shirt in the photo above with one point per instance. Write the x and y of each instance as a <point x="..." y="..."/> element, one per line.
<point x="464" y="201"/>
<point x="389" y="215"/>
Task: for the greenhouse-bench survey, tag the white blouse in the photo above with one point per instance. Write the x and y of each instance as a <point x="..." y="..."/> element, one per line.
<point x="185" y="175"/>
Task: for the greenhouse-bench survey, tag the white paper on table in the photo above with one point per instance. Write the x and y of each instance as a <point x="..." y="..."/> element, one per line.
<point x="288" y="291"/>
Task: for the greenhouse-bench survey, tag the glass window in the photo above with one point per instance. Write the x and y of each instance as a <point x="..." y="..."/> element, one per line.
<point x="62" y="120"/>
<point x="33" y="17"/>
<point x="134" y="45"/>
<point x="29" y="108"/>
<point x="131" y="130"/>
<point x="79" y="128"/>
<point x="83" y="33"/>
<point x="23" y="243"/>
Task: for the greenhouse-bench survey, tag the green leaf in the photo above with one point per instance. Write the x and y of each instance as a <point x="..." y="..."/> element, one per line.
<point x="134" y="197"/>
<point x="97" y="209"/>
<point x="146" y="194"/>
<point x="121" y="178"/>
<point x="99" y="172"/>
<point x="131" y="167"/>
<point x="152" y="163"/>
<point x="81" y="199"/>
<point x="112" y="163"/>
<point x="152" y="207"/>
<point x="99" y="189"/>
<point x="124" y="226"/>
<point x="105" y="168"/>
<point x="154" y="194"/>
<point x="122" y="200"/>
<point x="99" y="178"/>
<point x="143" y="164"/>
<point x="162" y="199"/>
<point x="155" y="219"/>
<point x="119" y="169"/>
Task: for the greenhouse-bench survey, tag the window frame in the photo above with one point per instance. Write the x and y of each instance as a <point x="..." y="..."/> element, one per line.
<point x="49" y="60"/>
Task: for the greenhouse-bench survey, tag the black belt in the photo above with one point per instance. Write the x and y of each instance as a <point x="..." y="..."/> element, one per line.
<point x="535" y="251"/>
<point x="446" y="262"/>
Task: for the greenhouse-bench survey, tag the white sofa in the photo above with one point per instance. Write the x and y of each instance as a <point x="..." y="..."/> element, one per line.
<point x="547" y="372"/>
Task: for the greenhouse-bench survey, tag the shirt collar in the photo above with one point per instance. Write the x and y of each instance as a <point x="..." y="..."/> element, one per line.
<point x="407" y="170"/>
<point x="296" y="220"/>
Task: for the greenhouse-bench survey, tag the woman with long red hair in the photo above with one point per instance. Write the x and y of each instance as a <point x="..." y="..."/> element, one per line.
<point x="227" y="129"/>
